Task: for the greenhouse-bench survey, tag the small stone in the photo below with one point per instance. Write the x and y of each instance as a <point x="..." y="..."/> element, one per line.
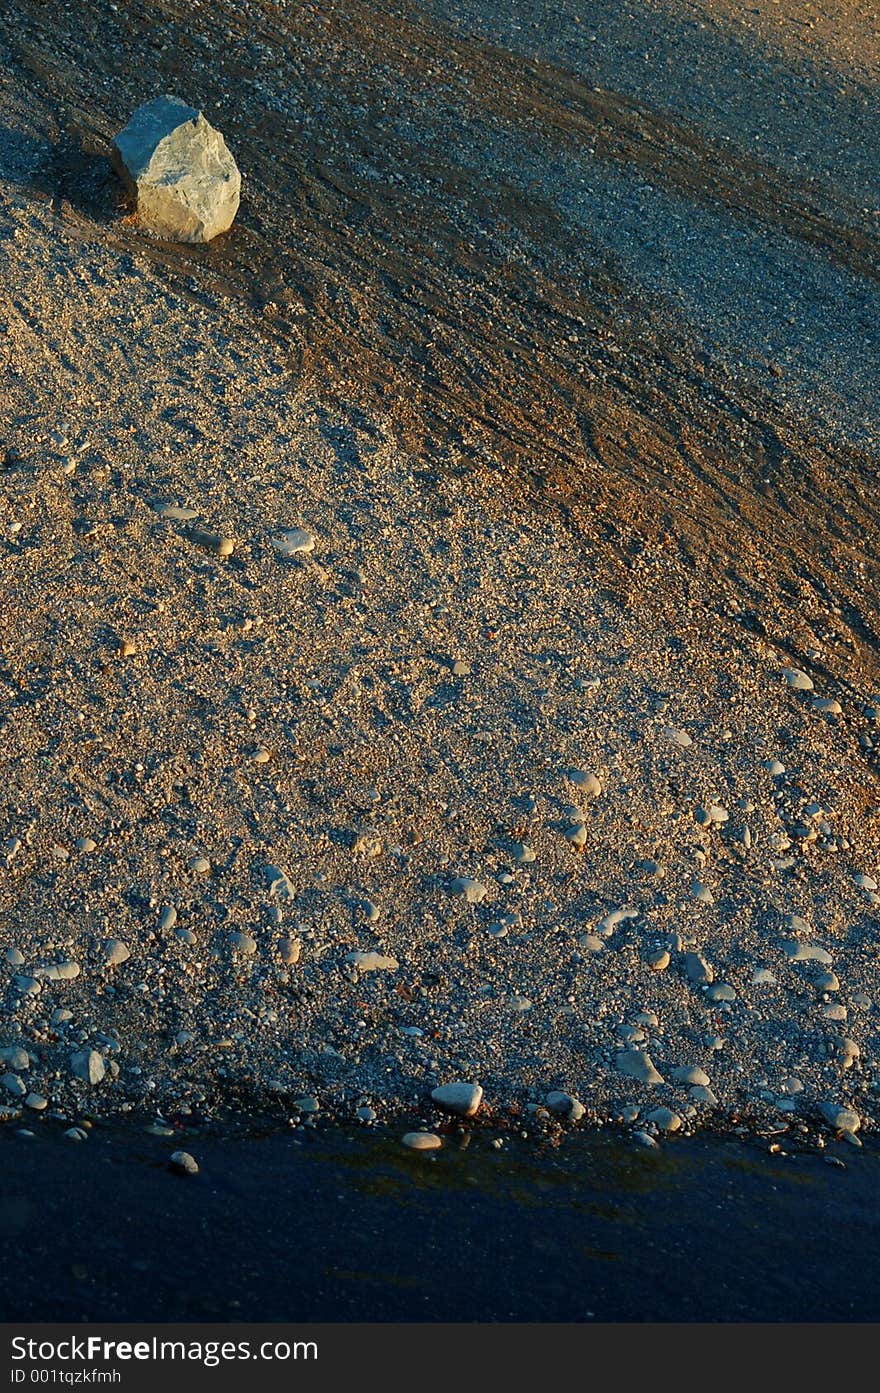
<point x="200" y="864"/>
<point x="636" y="1064"/>
<point x="828" y="706"/>
<point x="702" y="893"/>
<point x="366" y="1114"/>
<point x="307" y="1105"/>
<point x="565" y="1105"/>
<point x="834" y="1011"/>
<point x="864" y="882"/>
<point x="290" y="950"/>
<point x="721" y="991"/>
<point x="76" y="1134"/>
<point x="373" y="961"/>
<point x="461" y="668"/>
<point x="762" y="976"/>
<point x="665" y="1119"/>
<point x="61" y="1016"/>
<point x="797" y="680"/>
<point x="210" y="541"/>
<point x="701" y="1094"/>
<point x="590" y="784"/>
<point x="126" y="648"/>
<point x="86" y="845"/>
<point x="280" y="885"/>
<point x="611" y="921"/>
<point x="14" y="957"/>
<point x="295" y="541"/>
<point x="463" y="1099"/>
<point x="88" y="1065"/>
<point x="522" y="854"/>
<point x="520" y="1004"/>
<point x="174" y="512"/>
<point x="691" y="1074"/>
<point x="645" y="1139"/>
<point x="591" y="942"/>
<point x="827" y="982"/>
<point x="58" y="972"/>
<point x="36" y="1101"/>
<point x="114" y="952"/>
<point x="473" y="891"/>
<point x="775" y="768"/>
<point x="16" y="1057"/>
<point x="678" y="737"/>
<point x="698" y="970"/>
<point x="261" y="755"/>
<point x="167" y="917"/>
<point x="658" y="960"/>
<point x="576" y="835"/>
<point x="183" y="1164"/>
<point x="422" y="1141"/>
<point x="243" y="943"/>
<point x="14" y="1085"/>
<point x="841" y="1119"/>
<point x="804" y="952"/>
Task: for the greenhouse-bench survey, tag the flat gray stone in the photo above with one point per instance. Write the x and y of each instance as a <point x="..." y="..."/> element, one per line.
<point x="473" y="891"/>
<point x="88" y="1065"/>
<point x="373" y="961"/>
<point x="177" y="167"/>
<point x="636" y="1064"/>
<point x="842" y="1119"/>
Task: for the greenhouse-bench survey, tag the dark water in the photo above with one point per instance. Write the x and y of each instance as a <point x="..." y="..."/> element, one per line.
<point x="354" y="1228"/>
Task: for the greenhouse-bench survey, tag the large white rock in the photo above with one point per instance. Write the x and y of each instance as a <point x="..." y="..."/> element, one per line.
<point x="461" y="1098"/>
<point x="178" y="168"/>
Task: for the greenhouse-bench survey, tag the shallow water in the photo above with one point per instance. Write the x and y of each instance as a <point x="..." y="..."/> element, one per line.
<point x="355" y="1228"/>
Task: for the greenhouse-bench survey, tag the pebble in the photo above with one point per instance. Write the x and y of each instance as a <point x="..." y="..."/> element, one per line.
<point x="200" y="864"/>
<point x="691" y="1074"/>
<point x="422" y="1141"/>
<point x="698" y="970"/>
<point x="840" y="1118"/>
<point x="827" y="982"/>
<point x="828" y="706"/>
<point x="721" y="991"/>
<point x="864" y="882"/>
<point x="636" y="1064"/>
<point x="607" y="925"/>
<point x="565" y="1105"/>
<point x="762" y="976"/>
<point x="797" y="680"/>
<point x="58" y="972"/>
<point x="523" y="855"/>
<point x="261" y="755"/>
<point x="183" y="1164"/>
<point x="114" y="952"/>
<point x="243" y="943"/>
<point x="702" y="893"/>
<point x="76" y="1134"/>
<point x="775" y="767"/>
<point x="834" y="1011"/>
<point x="665" y="1119"/>
<point x="461" y="669"/>
<point x="210" y="541"/>
<point x="576" y="835"/>
<point x="88" y="1065"/>
<point x="678" y="737"/>
<point x="85" y="845"/>
<point x="658" y="960"/>
<point x="14" y="957"/>
<point x="27" y="986"/>
<point x="279" y="882"/>
<point x="174" y="512"/>
<point x="590" y="784"/>
<point x="36" y="1101"/>
<point x="289" y="950"/>
<point x="804" y="952"/>
<point x="366" y="1114"/>
<point x="294" y="541"/>
<point x="373" y="961"/>
<point x="473" y="891"/>
<point x="520" y="1004"/>
<point x="701" y="1094"/>
<point x="167" y="917"/>
<point x="14" y="1085"/>
<point x="463" y="1099"/>
<point x="645" y="1139"/>
<point x="16" y="1057"/>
